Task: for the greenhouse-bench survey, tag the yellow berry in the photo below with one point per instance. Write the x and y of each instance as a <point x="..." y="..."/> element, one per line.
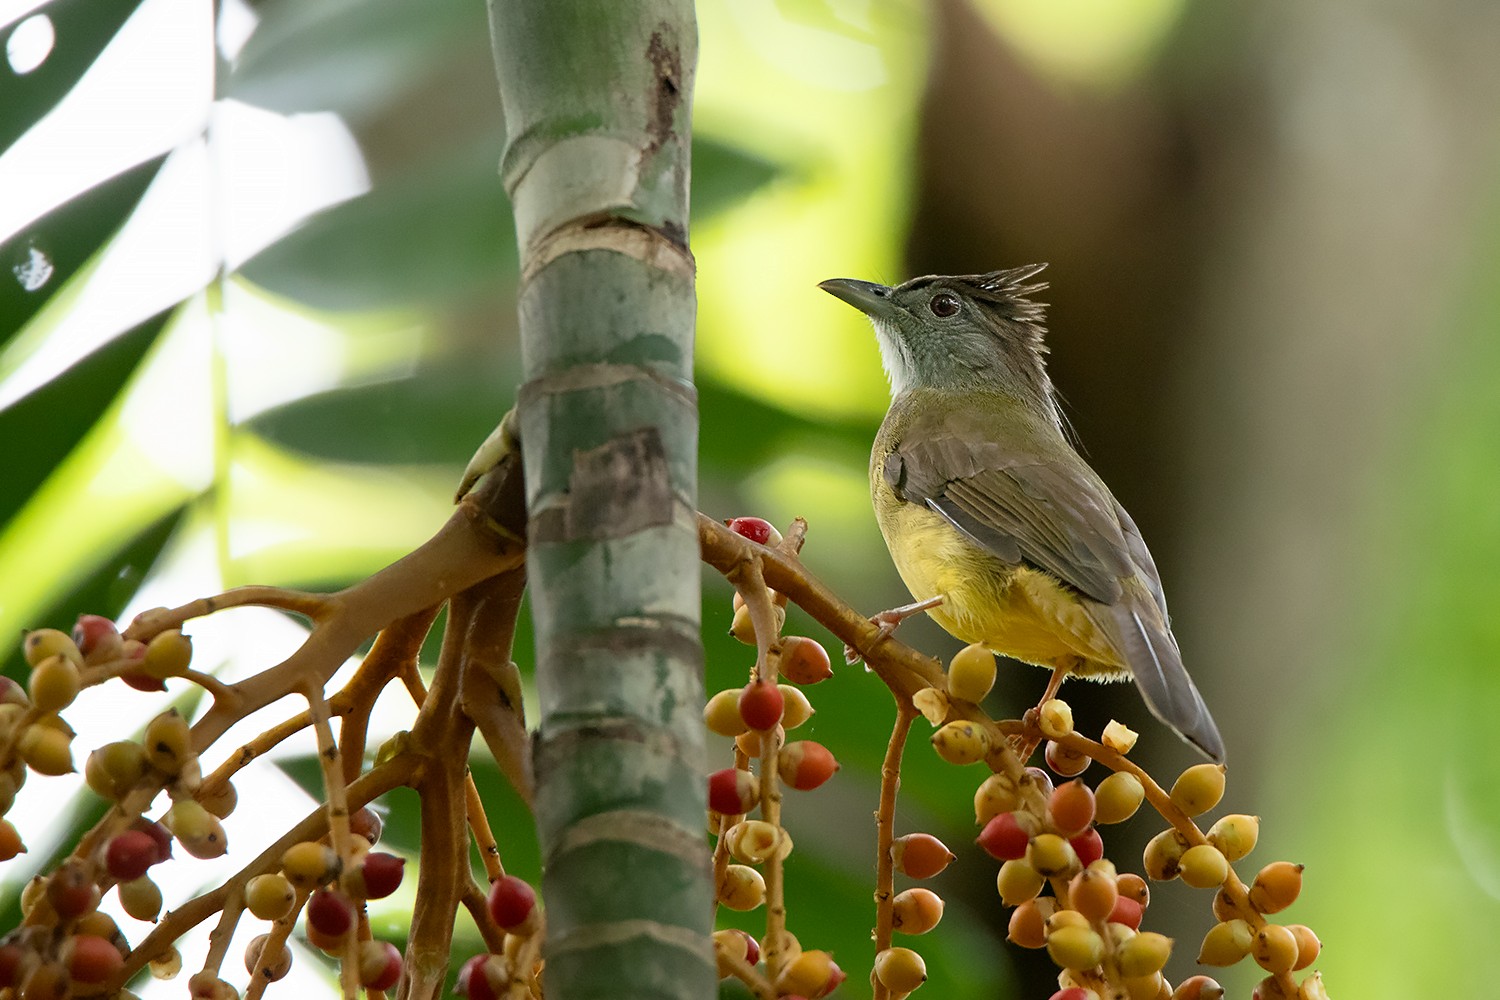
<point x="1199" y="788"/>
<point x="808" y="974"/>
<point x="141" y="898"/>
<point x="900" y="970"/>
<point x="916" y="911"/>
<point x="1163" y="855"/>
<point x="1276" y="887"/>
<point x="995" y="796"/>
<point x="53" y="684"/>
<point x="1143" y="955"/>
<point x="1132" y="886"/>
<point x="115" y="768"/>
<point x="742" y="888"/>
<point x="167" y="964"/>
<point x="198" y="831"/>
<point x="270" y="897"/>
<point x="167" y="655"/>
<point x="1312" y="988"/>
<point x="1056" y="719"/>
<point x="1075" y="947"/>
<point x="961" y="742"/>
<point x="1226" y="943"/>
<point x="219" y="799"/>
<point x="1052" y="856"/>
<point x="1235" y="835"/>
<point x="43" y="643"/>
<point x="722" y="713"/>
<point x="1065" y="918"/>
<point x="1118" y="797"/>
<point x="796" y="708"/>
<point x="168" y="742"/>
<point x="1152" y="987"/>
<point x="1203" y="866"/>
<point x="1017" y="882"/>
<point x="310" y="864"/>
<point x="1275" y="949"/>
<point x="46" y="750"/>
<point x="971" y="673"/>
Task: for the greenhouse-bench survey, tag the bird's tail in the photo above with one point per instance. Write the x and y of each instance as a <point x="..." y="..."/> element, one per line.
<point x="1152" y="656"/>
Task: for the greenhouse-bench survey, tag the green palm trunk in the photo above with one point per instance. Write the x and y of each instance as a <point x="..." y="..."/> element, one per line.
<point x="597" y="105"/>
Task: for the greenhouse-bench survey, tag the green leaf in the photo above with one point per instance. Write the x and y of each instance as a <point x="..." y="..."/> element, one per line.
<point x="350" y="56"/>
<point x="81" y="29"/>
<point x="443" y="234"/>
<point x="68" y="236"/>
<point x="41" y="428"/>
<point x="107" y="589"/>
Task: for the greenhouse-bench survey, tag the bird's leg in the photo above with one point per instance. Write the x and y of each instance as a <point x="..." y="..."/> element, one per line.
<point x="889" y="620"/>
<point x="1025" y="745"/>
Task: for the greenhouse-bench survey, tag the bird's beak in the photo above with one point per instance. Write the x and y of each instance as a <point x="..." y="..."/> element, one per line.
<point x="869" y="298"/>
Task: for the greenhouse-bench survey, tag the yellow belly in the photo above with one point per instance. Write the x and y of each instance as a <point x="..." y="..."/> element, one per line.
<point x="1014" y="610"/>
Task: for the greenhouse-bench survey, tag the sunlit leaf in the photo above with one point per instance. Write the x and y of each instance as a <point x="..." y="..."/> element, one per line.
<point x="80" y="29"/>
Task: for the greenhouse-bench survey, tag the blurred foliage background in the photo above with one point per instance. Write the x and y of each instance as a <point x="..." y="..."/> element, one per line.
<point x="256" y="311"/>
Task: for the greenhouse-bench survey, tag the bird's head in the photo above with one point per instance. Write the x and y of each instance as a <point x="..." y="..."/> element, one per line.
<point x="974" y="332"/>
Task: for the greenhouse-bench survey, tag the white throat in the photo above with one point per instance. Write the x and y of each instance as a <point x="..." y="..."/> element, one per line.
<point x="893" y="358"/>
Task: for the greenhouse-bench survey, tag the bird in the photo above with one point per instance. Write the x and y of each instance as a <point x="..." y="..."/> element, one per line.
<point x="1003" y="534"/>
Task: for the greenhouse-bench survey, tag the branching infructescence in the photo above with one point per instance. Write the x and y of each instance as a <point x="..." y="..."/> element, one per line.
<point x="1045" y="836"/>
<point x="319" y="874"/>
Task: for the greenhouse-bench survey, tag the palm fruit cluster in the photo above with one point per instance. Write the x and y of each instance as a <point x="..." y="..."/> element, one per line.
<point x="1042" y="825"/>
<point x="515" y="972"/>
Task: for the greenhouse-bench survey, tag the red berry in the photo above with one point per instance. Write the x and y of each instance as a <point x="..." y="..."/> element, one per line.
<point x="382" y="873"/>
<point x="511" y="901"/>
<point x="367" y="823"/>
<point x="11" y="958"/>
<point x="758" y="530"/>
<point x="157" y="833"/>
<point x="1088" y="845"/>
<point x="835" y="977"/>
<point x="1004" y="838"/>
<point x="1071" y="993"/>
<point x="330" y="912"/>
<point x="752" y="948"/>
<point x="804" y="660"/>
<point x="1128" y="912"/>
<point x="379" y="965"/>
<point x="92" y="959"/>
<point x="761" y="705"/>
<point x="71" y="892"/>
<point x="90" y="629"/>
<point x="142" y="681"/>
<point x="804" y="764"/>
<point x="733" y="792"/>
<point x="130" y="855"/>
<point x="473" y="981"/>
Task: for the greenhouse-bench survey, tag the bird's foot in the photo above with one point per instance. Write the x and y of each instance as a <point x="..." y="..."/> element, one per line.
<point x="888" y="621"/>
<point x="1026" y="742"/>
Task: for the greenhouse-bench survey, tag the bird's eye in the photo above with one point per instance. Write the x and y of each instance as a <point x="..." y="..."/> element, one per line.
<point x="944" y="304"/>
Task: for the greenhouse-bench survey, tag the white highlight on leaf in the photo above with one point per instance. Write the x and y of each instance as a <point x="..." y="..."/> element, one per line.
<point x="30" y="44"/>
<point x="35" y="271"/>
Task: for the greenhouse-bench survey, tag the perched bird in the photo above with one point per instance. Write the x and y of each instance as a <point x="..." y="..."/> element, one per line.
<point x="999" y="529"/>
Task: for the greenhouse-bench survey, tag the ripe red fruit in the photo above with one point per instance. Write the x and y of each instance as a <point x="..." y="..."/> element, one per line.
<point x="1128" y="912"/>
<point x="472" y="980"/>
<point x="1088" y="845"/>
<point x="758" y="530"/>
<point x="330" y="913"/>
<point x="1004" y="838"/>
<point x="71" y="892"/>
<point x="142" y="681"/>
<point x="752" y="947"/>
<point x="367" y="823"/>
<point x="130" y="855"/>
<point x="379" y="965"/>
<point x="157" y="833"/>
<point x="761" y="705"/>
<point x="382" y="874"/>
<point x="511" y="901"/>
<point x="733" y="792"/>
<point x="1071" y="993"/>
<point x="804" y="660"/>
<point x="90" y="630"/>
<point x="804" y="764"/>
<point x="92" y="959"/>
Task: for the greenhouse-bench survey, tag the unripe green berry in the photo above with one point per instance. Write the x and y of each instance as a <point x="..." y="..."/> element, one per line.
<point x="115" y="768"/>
<point x="141" y="898"/>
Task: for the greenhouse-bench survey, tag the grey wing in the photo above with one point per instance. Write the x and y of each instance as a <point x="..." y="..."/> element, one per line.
<point x="1060" y="519"/>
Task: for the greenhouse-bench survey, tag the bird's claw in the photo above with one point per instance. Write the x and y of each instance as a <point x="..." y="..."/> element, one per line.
<point x="886" y="622"/>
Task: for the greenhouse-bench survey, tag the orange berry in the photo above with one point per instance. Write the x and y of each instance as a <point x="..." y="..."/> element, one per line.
<point x="1134" y="887"/>
<point x="1093" y="894"/>
<point x="1308" y="945"/>
<point x="920" y="855"/>
<point x="804" y="660"/>
<point x="90" y="958"/>
<point x="1276" y="887"/>
<point x="1275" y="948"/>
<point x="805" y="765"/>
<point x="916" y="911"/>
<point x="811" y="974"/>
<point x="1028" y="922"/>
<point x="10" y="841"/>
<point x="1071" y="808"/>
